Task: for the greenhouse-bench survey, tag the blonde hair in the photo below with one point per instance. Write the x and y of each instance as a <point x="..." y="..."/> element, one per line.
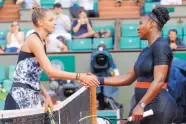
<point x="38" y="13"/>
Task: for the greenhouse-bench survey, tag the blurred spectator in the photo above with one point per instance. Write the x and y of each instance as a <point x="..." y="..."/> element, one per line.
<point x="82" y="27"/>
<point x="28" y="3"/>
<point x="15" y="38"/>
<point x="103" y="34"/>
<point x="63" y="24"/>
<point x="118" y="3"/>
<point x="174" y="41"/>
<point x="171" y="2"/>
<point x="57" y="45"/>
<point x="65" y="3"/>
<point x="88" y="5"/>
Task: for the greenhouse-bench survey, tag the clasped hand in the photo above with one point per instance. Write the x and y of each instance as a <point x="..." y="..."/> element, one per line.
<point x="89" y="80"/>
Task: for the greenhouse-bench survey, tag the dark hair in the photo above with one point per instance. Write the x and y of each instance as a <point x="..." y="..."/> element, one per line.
<point x="38" y="13"/>
<point x="82" y="10"/>
<point x="160" y="15"/>
<point x="173" y="30"/>
<point x="57" y="5"/>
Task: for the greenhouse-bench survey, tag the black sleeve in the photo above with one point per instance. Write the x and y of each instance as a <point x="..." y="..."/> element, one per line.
<point x="162" y="53"/>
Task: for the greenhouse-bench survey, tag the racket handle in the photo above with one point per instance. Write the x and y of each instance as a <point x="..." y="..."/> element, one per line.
<point x="147" y="113"/>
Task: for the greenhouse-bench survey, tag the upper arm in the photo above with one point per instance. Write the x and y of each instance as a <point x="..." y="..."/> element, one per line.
<point x="37" y="48"/>
<point x="162" y="55"/>
<point x="74" y="23"/>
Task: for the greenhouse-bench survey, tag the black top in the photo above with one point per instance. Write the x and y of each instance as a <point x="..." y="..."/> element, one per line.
<point x="23" y="55"/>
<point x="158" y="53"/>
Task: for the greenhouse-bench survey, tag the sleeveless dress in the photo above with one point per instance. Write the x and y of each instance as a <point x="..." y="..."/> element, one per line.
<point x="26" y="88"/>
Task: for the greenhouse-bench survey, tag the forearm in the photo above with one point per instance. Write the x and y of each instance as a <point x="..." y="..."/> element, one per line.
<point x="121" y="80"/>
<point x="44" y="92"/>
<point x="90" y="29"/>
<point x="76" y="28"/>
<point x="59" y="74"/>
<point x="152" y="92"/>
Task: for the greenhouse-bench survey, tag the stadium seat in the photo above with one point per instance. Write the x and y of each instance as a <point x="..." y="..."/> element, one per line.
<point x="107" y="41"/>
<point x="2" y="42"/>
<point x="129" y="30"/>
<point x="2" y="104"/>
<point x="81" y="44"/>
<point x="177" y="27"/>
<point x="108" y="27"/>
<point x="7" y="84"/>
<point x="149" y="6"/>
<point x="148" y="1"/>
<point x="11" y="70"/>
<point x="144" y="43"/>
<point x="129" y="43"/>
<point x="2" y="3"/>
<point x="184" y="30"/>
<point x="47" y="3"/>
<point x="3" y="34"/>
<point x="2" y="73"/>
<point x="184" y="39"/>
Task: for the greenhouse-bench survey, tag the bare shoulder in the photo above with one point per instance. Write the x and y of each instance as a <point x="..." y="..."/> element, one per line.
<point x="33" y="40"/>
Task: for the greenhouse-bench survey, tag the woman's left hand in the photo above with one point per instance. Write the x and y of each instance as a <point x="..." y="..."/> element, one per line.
<point x="137" y="113"/>
<point x="48" y="103"/>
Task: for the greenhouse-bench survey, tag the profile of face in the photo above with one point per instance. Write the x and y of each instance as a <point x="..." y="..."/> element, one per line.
<point x="58" y="10"/>
<point x="48" y="22"/>
<point x="82" y="15"/>
<point x="172" y="36"/>
<point x="145" y="26"/>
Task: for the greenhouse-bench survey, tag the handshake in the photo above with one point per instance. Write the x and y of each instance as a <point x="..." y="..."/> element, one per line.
<point x="88" y="80"/>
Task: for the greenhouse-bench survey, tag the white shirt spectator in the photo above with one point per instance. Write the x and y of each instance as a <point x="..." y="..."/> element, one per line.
<point x="87" y="4"/>
<point x="28" y="3"/>
<point x="171" y="2"/>
<point x="65" y="3"/>
<point x="14" y="41"/>
<point x="54" y="46"/>
<point x="60" y="22"/>
<point x="60" y="28"/>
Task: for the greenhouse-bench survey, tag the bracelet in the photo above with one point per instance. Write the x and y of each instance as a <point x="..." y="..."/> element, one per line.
<point x="77" y="76"/>
<point x="101" y="80"/>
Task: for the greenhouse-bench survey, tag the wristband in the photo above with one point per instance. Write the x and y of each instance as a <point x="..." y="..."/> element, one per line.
<point x="101" y="80"/>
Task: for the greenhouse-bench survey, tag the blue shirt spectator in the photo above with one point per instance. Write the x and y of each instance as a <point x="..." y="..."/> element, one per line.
<point x="83" y="28"/>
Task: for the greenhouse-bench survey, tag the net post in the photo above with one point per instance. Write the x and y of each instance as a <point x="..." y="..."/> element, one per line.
<point x="93" y="106"/>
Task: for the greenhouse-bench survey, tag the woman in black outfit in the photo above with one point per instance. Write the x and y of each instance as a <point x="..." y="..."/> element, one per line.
<point x="151" y="71"/>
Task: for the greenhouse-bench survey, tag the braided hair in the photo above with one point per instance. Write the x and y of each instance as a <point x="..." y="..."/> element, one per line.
<point x="160" y="15"/>
<point x="38" y="13"/>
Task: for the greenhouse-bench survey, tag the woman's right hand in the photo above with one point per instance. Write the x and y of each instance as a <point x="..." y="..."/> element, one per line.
<point x="89" y="80"/>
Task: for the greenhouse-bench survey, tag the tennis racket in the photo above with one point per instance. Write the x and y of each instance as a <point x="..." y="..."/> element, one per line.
<point x="94" y="119"/>
<point x="51" y="117"/>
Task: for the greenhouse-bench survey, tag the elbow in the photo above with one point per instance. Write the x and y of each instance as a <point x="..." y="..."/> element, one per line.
<point x="49" y="73"/>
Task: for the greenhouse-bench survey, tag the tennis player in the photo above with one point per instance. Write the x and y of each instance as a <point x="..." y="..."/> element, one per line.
<point x="151" y="71"/>
<point x="26" y="90"/>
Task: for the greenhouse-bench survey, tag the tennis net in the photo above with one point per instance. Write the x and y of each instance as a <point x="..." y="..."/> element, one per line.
<point x="81" y="103"/>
